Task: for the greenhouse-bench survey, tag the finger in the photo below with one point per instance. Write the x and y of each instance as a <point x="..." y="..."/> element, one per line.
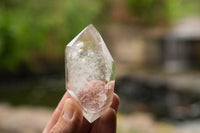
<point x="56" y="114"/>
<point x="70" y="119"/>
<point x="86" y="126"/>
<point x="115" y="102"/>
<point x="106" y="123"/>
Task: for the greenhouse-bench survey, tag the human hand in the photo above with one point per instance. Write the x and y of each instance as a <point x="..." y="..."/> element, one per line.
<point x="68" y="118"/>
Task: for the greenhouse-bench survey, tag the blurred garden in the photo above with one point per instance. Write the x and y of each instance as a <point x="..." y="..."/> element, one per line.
<point x="155" y="45"/>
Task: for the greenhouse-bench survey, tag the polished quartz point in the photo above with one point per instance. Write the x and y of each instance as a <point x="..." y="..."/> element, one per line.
<point x="90" y="73"/>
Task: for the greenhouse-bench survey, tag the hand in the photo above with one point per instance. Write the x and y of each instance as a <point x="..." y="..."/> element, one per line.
<point x="68" y="118"/>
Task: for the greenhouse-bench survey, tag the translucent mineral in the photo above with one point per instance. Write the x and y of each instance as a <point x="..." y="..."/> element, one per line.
<point x="90" y="73"/>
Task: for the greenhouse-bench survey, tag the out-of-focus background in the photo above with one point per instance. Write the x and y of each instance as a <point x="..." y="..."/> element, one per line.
<point x="155" y="45"/>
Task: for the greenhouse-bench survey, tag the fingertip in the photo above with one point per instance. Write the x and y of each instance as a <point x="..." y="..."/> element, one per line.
<point x="116" y="102"/>
<point x="117" y="99"/>
<point x="71" y="118"/>
<point x="68" y="110"/>
<point x="72" y="108"/>
<point x="109" y="116"/>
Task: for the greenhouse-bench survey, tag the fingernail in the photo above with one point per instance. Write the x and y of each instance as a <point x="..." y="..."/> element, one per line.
<point x="68" y="110"/>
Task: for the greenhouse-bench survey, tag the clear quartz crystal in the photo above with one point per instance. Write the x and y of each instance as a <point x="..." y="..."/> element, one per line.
<point x="90" y="73"/>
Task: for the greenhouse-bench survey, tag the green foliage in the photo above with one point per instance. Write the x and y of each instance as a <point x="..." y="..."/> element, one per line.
<point x="145" y="10"/>
<point x="181" y="8"/>
<point x="33" y="31"/>
<point x="155" y="11"/>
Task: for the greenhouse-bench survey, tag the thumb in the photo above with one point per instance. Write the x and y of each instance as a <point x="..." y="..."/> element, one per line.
<point x="70" y="120"/>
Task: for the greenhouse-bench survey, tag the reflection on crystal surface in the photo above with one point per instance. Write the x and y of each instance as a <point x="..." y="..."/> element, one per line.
<point x="90" y="73"/>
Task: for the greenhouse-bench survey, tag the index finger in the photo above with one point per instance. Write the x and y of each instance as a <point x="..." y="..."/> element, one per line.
<point x="56" y="114"/>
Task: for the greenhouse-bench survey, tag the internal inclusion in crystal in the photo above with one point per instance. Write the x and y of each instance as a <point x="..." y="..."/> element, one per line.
<point x="90" y="73"/>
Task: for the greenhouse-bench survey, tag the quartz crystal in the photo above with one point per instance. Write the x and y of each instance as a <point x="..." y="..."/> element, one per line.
<point x="90" y="73"/>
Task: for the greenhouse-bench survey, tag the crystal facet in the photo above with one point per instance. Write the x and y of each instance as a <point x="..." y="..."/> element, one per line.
<point x="90" y="73"/>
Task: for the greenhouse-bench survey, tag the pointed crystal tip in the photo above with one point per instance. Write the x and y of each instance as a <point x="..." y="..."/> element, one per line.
<point x="90" y="72"/>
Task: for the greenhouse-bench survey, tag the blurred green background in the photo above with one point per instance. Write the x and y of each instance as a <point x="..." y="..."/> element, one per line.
<point x="34" y="33"/>
<point x="155" y="45"/>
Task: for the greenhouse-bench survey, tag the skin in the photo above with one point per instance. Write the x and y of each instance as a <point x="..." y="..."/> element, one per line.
<point x="68" y="118"/>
